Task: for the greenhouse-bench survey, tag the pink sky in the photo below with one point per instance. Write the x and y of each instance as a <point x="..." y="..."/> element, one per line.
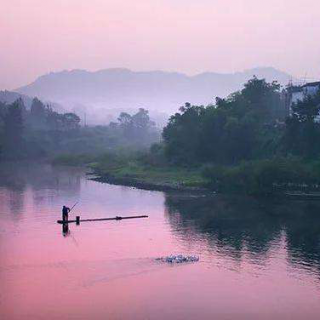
<point x="39" y="36"/>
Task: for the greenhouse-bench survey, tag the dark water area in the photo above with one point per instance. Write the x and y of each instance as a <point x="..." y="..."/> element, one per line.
<point x="259" y="258"/>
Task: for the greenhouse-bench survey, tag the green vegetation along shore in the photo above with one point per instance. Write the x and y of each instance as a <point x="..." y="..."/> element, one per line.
<point x="245" y="143"/>
<point x="38" y="132"/>
<point x="146" y="177"/>
<point x="249" y="143"/>
<point x="268" y="177"/>
<point x="133" y="170"/>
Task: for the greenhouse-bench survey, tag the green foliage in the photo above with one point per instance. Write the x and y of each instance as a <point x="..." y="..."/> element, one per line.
<point x="41" y="132"/>
<point x="135" y="169"/>
<point x="137" y="128"/>
<point x="308" y="109"/>
<point x="232" y="130"/>
<point x="13" y="128"/>
<point x="3" y="110"/>
<point x="246" y="143"/>
<point x="248" y="125"/>
<point x="156" y="156"/>
<point x="303" y="129"/>
<point x="38" y="114"/>
<point x="264" y="177"/>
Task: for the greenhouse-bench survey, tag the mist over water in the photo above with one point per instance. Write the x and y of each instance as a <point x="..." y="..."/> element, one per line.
<point x="259" y="259"/>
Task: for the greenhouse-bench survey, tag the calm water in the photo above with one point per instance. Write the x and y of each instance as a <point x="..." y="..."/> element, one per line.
<point x="258" y="259"/>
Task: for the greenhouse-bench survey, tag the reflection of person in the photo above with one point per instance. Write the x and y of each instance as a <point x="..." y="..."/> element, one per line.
<point x="65" y="229"/>
<point x="65" y="212"/>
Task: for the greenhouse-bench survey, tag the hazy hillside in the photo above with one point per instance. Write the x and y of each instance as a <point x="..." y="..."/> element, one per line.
<point x="11" y="96"/>
<point x="113" y="89"/>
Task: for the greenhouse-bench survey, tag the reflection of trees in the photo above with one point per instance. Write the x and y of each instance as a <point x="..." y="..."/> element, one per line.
<point x="303" y="235"/>
<point x="16" y="176"/>
<point x="233" y="223"/>
<point x="10" y="177"/>
<point x="16" y="203"/>
<point x="14" y="196"/>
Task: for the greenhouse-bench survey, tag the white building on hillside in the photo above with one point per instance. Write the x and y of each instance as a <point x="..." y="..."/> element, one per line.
<point x="299" y="93"/>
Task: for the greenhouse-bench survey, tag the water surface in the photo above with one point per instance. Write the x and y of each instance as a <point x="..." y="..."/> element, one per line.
<point x="259" y="259"/>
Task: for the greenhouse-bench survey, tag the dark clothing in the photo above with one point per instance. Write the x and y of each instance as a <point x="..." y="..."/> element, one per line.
<point x="65" y="211"/>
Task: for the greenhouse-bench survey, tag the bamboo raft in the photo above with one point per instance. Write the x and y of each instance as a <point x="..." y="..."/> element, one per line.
<point x="78" y="220"/>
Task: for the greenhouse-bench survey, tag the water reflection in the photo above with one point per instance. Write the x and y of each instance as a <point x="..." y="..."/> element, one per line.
<point x="17" y="177"/>
<point x="42" y="183"/>
<point x="267" y="249"/>
<point x="65" y="229"/>
<point x="16" y="202"/>
<point x="238" y="225"/>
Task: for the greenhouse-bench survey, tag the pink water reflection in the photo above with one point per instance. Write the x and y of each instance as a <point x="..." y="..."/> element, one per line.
<point x="106" y="270"/>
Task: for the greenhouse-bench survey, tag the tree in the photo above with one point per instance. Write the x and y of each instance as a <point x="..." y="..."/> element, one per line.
<point x="232" y="130"/>
<point x="263" y="98"/>
<point x="141" y="124"/>
<point x="38" y="114"/>
<point x="124" y="119"/>
<point x="303" y="129"/>
<point x="141" y="120"/>
<point x="13" y="129"/>
<point x="3" y="108"/>
<point x="136" y="128"/>
<point x="308" y="109"/>
<point x="70" y="121"/>
<point x="182" y="135"/>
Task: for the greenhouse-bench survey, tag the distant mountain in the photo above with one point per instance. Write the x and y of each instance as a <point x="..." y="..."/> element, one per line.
<point x="159" y="91"/>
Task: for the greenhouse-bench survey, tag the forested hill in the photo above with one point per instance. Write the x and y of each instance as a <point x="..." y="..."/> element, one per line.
<point x="9" y="97"/>
<point x="155" y="90"/>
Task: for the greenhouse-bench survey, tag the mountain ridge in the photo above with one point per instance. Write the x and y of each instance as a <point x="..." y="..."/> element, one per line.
<point x="120" y="88"/>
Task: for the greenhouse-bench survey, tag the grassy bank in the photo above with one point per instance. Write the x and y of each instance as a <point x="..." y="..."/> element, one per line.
<point x="270" y="177"/>
<point x="136" y="174"/>
<point x="267" y="177"/>
<point x="130" y="169"/>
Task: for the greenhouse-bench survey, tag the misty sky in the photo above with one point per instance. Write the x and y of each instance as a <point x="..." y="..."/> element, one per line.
<point x="190" y="36"/>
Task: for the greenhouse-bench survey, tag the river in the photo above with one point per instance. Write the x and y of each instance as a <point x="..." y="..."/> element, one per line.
<point x="259" y="259"/>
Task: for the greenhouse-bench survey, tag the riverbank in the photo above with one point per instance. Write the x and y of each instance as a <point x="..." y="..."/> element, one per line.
<point x="150" y="178"/>
<point x="130" y="170"/>
<point x="285" y="177"/>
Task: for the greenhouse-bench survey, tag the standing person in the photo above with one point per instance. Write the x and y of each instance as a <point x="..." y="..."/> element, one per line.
<point x="65" y="212"/>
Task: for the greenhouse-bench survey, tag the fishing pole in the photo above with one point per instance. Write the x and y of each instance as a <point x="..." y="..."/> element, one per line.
<point x="74" y="206"/>
<point x="72" y="236"/>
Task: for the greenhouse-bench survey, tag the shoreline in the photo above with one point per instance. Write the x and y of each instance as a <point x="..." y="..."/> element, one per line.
<point x="139" y="183"/>
<point x="165" y="180"/>
<point x="144" y="185"/>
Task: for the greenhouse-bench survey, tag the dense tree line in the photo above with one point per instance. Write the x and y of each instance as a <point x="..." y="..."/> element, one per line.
<point x="248" y="125"/>
<point x="39" y="132"/>
<point x="246" y="142"/>
<point x="240" y="127"/>
<point x="35" y="132"/>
